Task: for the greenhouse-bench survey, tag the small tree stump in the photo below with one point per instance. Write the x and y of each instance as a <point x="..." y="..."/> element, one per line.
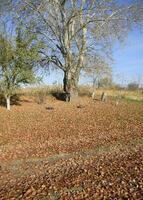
<point x="104" y="97"/>
<point x="93" y="95"/>
<point x="118" y="99"/>
<point x="117" y="103"/>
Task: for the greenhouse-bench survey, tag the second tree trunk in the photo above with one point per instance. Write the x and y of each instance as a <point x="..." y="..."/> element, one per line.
<point x="8" y="102"/>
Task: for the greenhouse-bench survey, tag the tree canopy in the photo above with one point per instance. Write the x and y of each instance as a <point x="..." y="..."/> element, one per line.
<point x="17" y="60"/>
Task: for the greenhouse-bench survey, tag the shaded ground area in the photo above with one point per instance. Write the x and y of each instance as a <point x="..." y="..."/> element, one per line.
<point x="82" y="150"/>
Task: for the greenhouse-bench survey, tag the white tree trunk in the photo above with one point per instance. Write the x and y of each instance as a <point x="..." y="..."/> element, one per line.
<point x="8" y="102"/>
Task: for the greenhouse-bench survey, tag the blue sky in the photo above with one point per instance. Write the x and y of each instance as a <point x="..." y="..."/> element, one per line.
<point x="128" y="64"/>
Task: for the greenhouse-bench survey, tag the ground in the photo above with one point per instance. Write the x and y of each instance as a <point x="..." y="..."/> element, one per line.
<point x="82" y="150"/>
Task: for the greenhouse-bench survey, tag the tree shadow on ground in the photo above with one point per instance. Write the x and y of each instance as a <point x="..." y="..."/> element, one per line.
<point x="14" y="100"/>
<point x="59" y="95"/>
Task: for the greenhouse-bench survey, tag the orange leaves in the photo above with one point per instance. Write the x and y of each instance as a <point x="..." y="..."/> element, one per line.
<point x="93" y="152"/>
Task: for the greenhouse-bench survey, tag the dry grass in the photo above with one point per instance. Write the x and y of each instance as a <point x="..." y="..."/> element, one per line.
<point x="46" y="91"/>
<point x="114" y="93"/>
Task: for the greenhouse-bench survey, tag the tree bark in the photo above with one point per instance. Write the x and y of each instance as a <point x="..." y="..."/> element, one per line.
<point x="70" y="83"/>
<point x="8" y="102"/>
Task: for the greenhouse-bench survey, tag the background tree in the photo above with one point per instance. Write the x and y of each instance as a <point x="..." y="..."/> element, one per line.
<point x="99" y="71"/>
<point x="133" y="86"/>
<point x="17" y="61"/>
<point x="74" y="29"/>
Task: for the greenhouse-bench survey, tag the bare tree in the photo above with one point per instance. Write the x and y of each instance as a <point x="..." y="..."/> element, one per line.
<point x="99" y="71"/>
<point x="73" y="29"/>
